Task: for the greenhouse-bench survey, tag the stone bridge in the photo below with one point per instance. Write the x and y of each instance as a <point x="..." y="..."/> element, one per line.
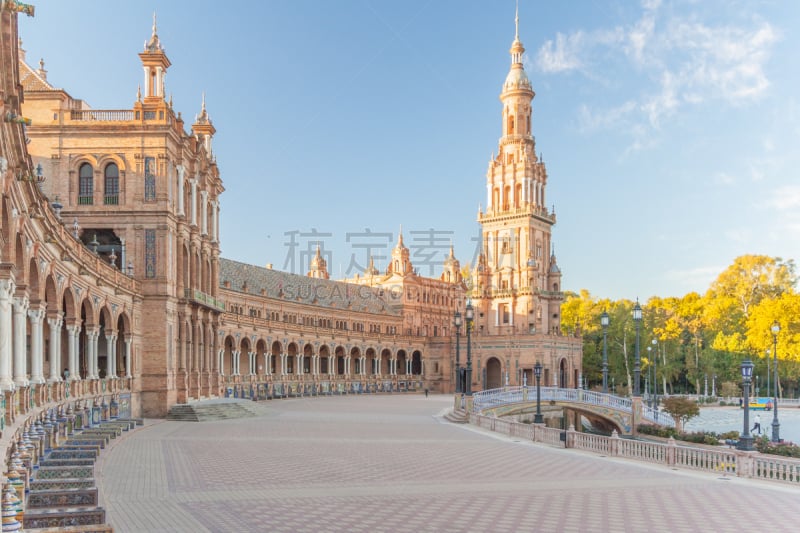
<point x="605" y="411"/>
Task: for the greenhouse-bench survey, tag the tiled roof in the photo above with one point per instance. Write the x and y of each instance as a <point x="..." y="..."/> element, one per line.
<point x="31" y="81"/>
<point x="302" y="289"/>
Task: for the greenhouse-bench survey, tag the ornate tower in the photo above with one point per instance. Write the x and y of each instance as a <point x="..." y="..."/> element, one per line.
<point x="515" y="287"/>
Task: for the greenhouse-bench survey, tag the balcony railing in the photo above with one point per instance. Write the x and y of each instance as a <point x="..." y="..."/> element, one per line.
<point x="203" y="298"/>
<point x="105" y="115"/>
<point x="111" y="199"/>
<point x="85" y="200"/>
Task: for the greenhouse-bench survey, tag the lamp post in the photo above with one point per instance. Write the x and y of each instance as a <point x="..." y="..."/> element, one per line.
<point x="637" y="369"/>
<point x="537" y="371"/>
<point x="655" y="374"/>
<point x="648" y="380"/>
<point x="469" y="315"/>
<point x="457" y="324"/>
<point x="746" y="440"/>
<point x="768" y="371"/>
<point x="776" y="426"/>
<point x="604" y="322"/>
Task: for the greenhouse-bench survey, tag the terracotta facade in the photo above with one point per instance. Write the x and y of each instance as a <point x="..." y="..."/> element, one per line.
<point x="135" y="192"/>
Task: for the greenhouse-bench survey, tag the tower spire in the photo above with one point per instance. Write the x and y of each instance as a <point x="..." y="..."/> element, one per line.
<point x="516" y="23"/>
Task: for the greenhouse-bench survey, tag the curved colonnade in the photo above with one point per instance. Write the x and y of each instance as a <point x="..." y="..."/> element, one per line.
<point x="66" y="317"/>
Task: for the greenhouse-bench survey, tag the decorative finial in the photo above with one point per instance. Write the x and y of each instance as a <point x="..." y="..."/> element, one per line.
<point x="516" y="23"/>
<point x="203" y="105"/>
<point x="139" y="93"/>
<point x="154" y="23"/>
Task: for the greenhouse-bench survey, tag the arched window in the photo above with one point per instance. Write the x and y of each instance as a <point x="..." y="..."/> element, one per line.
<point x="111" y="184"/>
<point x="510" y="125"/>
<point x="85" y="185"/>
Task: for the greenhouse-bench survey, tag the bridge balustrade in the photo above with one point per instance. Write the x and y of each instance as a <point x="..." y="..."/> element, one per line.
<point x="708" y="459"/>
<point x="507" y="395"/>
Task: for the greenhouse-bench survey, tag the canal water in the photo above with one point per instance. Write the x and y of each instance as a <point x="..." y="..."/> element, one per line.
<point x="722" y="419"/>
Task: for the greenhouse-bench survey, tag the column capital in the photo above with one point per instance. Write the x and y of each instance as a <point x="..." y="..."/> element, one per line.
<point x="21" y="304"/>
<point x="36" y="314"/>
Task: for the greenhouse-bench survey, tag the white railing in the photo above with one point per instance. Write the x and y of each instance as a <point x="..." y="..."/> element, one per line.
<point x="717" y="460"/>
<point x="498" y="397"/>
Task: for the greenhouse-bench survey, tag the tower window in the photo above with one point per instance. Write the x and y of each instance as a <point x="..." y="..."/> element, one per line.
<point x="85" y="185"/>
<point x="111" y="185"/>
<point x="511" y="125"/>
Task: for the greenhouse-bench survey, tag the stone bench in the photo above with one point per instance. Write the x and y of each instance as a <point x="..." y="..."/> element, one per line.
<point x="43" y="499"/>
<point x="58" y="453"/>
<point x="63" y="472"/>
<point x="135" y="421"/>
<point x="71" y="447"/>
<point x="124" y="424"/>
<point x="60" y="518"/>
<point x="89" y="440"/>
<point x="67" y="462"/>
<point x="92" y="528"/>
<point x="61" y="484"/>
<point x="111" y="433"/>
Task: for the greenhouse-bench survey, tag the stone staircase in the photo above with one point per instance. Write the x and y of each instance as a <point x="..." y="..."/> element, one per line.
<point x="212" y="410"/>
<point x="457" y="416"/>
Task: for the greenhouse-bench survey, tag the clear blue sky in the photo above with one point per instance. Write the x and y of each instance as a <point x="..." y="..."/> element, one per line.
<point x="669" y="129"/>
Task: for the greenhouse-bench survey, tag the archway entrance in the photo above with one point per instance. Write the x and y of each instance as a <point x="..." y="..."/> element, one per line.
<point x="494" y="374"/>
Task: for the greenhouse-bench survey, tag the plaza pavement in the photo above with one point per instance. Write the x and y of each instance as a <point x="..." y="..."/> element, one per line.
<point x="386" y="463"/>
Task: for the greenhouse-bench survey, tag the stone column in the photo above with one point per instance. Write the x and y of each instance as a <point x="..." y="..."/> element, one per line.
<point x="215" y="221"/>
<point x="6" y="292"/>
<point x="55" y="347"/>
<point x="181" y="171"/>
<point x="20" y="336"/>
<point x="91" y="348"/>
<point x="203" y="212"/>
<point x="110" y="354"/>
<point x="194" y="202"/>
<point x="73" y="331"/>
<point x="128" y="340"/>
<point x="36" y="316"/>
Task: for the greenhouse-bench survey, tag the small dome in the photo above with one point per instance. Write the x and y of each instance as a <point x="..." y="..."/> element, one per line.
<point x="517" y="79"/>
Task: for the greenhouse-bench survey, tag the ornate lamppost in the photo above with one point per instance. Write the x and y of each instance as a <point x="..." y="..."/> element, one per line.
<point x="537" y="371"/>
<point x="648" y="381"/>
<point x="457" y="324"/>
<point x="776" y="426"/>
<point x="604" y="322"/>
<point x="655" y="374"/>
<point x="637" y="369"/>
<point x="746" y="440"/>
<point x="469" y="314"/>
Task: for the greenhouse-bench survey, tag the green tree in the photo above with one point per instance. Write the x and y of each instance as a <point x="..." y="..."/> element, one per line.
<point x="681" y="409"/>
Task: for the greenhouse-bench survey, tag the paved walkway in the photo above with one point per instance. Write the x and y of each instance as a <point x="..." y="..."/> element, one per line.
<point x="390" y="463"/>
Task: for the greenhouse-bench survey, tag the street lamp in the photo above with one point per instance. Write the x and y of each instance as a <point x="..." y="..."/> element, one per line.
<point x="776" y="426"/>
<point x="637" y="369"/>
<point x="537" y="371"/>
<point x="768" y="373"/>
<point x="746" y="440"/>
<point x="649" y="380"/>
<point x="604" y="322"/>
<point x="469" y="315"/>
<point x="655" y="374"/>
<point x="457" y="324"/>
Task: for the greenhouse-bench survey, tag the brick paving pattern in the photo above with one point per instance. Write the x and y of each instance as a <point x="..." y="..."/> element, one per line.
<point x="390" y="463"/>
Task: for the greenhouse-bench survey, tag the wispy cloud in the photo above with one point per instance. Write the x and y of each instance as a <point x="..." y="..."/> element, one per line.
<point x="696" y="279"/>
<point x="682" y="60"/>
<point x="785" y="198"/>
